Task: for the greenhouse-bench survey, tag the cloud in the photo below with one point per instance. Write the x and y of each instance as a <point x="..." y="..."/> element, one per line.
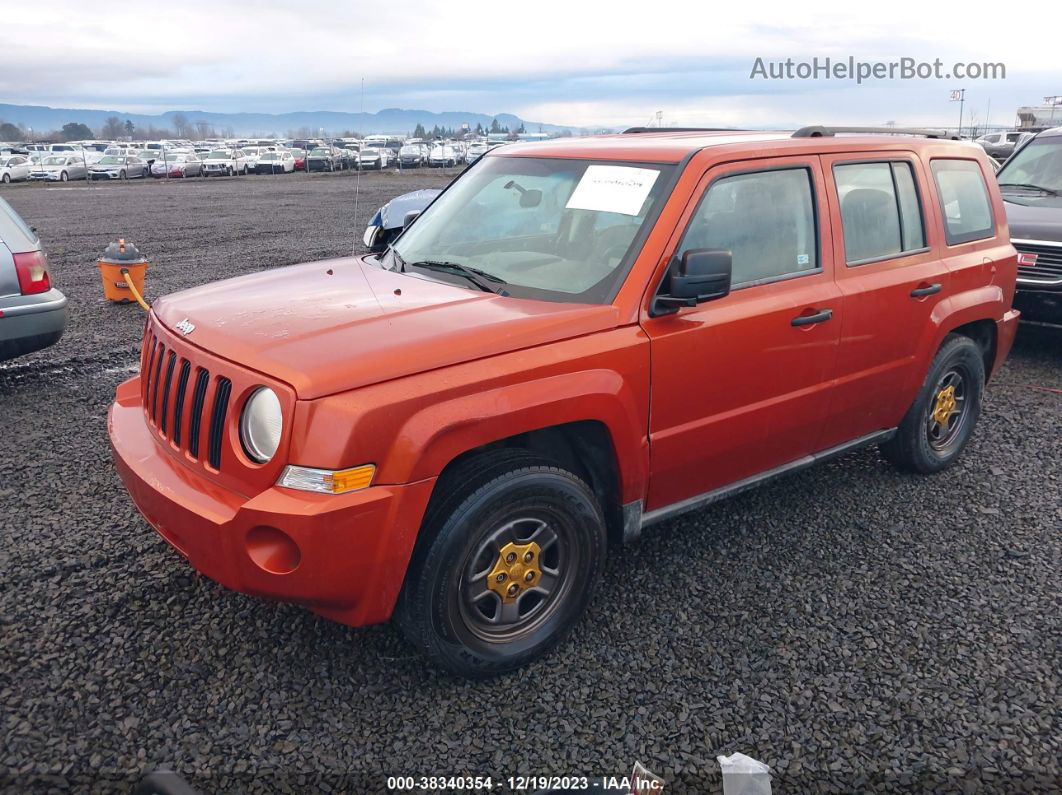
<point x="586" y="63"/>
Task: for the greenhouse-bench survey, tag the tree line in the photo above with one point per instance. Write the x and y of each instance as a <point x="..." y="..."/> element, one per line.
<point x="114" y="129"/>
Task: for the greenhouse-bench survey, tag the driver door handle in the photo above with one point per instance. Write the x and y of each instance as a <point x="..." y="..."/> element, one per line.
<point x="806" y="320"/>
<point x="922" y="292"/>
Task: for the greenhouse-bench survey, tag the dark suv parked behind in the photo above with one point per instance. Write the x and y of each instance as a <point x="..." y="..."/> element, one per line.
<point x="1031" y="183"/>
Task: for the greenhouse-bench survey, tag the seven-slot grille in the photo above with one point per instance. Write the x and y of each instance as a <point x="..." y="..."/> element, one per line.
<point x="1048" y="267"/>
<point x="170" y="383"/>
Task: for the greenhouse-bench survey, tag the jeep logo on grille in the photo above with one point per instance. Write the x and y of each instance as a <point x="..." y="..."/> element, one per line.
<point x="185" y="327"/>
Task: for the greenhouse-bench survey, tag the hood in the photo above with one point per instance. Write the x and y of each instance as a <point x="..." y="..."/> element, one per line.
<point x="330" y="326"/>
<point x="1036" y="218"/>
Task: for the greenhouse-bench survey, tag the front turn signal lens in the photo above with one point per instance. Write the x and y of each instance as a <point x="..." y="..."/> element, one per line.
<point x="327" y="481"/>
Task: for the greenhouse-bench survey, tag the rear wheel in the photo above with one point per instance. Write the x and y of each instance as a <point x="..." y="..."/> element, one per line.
<point x="513" y="546"/>
<point x="939" y="423"/>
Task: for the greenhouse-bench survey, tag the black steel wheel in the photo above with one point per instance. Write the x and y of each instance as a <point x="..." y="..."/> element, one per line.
<point x="509" y="553"/>
<point x="938" y="424"/>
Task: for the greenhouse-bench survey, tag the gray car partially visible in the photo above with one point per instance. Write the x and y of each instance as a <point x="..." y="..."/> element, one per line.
<point x="32" y="312"/>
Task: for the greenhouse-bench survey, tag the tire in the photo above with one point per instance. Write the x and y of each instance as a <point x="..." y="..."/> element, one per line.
<point x="144" y="174"/>
<point x="228" y="171"/>
<point x="121" y="175"/>
<point x="504" y="501"/>
<point x="937" y="426"/>
<point x="64" y="177"/>
<point x="7" y="179"/>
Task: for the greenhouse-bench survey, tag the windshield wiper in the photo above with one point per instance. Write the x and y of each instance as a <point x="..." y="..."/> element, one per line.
<point x="1029" y="186"/>
<point x="479" y="278"/>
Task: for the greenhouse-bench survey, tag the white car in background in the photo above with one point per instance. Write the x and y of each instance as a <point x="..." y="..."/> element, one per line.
<point x="375" y="158"/>
<point x="14" y="168"/>
<point x="442" y="155"/>
<point x="225" y="162"/>
<point x="275" y="163"/>
<point x="476" y="151"/>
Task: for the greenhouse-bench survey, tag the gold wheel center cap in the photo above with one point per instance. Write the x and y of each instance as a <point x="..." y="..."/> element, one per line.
<point x="516" y="570"/>
<point x="945" y="405"/>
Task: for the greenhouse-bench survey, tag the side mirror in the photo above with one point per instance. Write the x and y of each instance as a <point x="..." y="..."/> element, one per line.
<point x="701" y="275"/>
<point x="409" y="218"/>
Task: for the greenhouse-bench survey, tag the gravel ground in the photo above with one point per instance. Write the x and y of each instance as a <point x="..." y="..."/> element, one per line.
<point x="854" y="628"/>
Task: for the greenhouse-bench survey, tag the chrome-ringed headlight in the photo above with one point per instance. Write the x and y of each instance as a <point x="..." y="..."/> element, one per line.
<point x="261" y="425"/>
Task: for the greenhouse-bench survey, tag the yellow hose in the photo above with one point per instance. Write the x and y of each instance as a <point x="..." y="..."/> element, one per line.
<point x="131" y="286"/>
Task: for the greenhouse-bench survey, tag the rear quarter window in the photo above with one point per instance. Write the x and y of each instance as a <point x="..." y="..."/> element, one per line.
<point x="964" y="200"/>
<point x="14" y="232"/>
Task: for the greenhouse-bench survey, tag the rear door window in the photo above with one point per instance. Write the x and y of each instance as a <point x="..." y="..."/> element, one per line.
<point x="880" y="210"/>
<point x="963" y="200"/>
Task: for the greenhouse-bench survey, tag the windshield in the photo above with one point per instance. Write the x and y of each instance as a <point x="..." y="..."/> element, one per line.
<point x="1039" y="163"/>
<point x="110" y="160"/>
<point x="553" y="229"/>
<point x="319" y="153"/>
<point x="55" y="161"/>
<point x="218" y="156"/>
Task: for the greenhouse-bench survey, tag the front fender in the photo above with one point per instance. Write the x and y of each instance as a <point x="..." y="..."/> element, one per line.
<point x="412" y="427"/>
<point x="437" y="434"/>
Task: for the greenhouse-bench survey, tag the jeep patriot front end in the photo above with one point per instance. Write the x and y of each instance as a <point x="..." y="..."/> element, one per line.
<point x="576" y="339"/>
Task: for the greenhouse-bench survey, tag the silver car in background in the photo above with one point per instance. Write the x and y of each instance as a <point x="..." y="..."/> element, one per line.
<point x="118" y="167"/>
<point x="59" y="168"/>
<point x="32" y="312"/>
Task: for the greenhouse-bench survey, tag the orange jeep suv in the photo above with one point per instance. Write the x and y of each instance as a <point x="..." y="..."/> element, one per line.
<point x="573" y="341"/>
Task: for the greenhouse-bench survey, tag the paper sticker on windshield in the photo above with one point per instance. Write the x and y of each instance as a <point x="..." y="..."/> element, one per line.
<point x="613" y="189"/>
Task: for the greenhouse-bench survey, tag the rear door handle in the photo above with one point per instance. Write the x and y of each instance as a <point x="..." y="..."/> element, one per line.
<point x="806" y="320"/>
<point x="922" y="292"/>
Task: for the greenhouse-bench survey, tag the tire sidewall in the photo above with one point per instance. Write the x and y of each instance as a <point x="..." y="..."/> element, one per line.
<point x="463" y="530"/>
<point x="963" y="354"/>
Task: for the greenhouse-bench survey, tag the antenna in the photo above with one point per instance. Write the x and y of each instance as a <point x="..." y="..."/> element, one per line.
<point x="357" y="185"/>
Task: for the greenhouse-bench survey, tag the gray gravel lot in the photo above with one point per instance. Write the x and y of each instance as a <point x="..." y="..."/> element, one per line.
<point x="853" y="627"/>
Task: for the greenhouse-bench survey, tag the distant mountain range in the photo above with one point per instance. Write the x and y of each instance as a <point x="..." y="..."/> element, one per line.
<point x="392" y="120"/>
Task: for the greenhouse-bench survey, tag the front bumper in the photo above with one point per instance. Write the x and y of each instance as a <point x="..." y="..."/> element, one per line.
<point x="343" y="557"/>
<point x="1040" y="307"/>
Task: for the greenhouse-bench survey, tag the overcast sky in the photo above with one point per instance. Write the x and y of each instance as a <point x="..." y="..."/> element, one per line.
<point x="554" y="61"/>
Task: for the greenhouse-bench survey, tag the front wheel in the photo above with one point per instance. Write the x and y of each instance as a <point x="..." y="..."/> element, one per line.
<point x="63" y="177"/>
<point x="7" y="178"/>
<point x="939" y="423"/>
<point x="513" y="546"/>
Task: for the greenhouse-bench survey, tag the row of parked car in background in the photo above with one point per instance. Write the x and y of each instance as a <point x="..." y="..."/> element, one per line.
<point x="95" y="160"/>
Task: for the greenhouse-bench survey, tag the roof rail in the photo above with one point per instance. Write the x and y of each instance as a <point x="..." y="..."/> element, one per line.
<point x="819" y="131"/>
<point x="636" y="130"/>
